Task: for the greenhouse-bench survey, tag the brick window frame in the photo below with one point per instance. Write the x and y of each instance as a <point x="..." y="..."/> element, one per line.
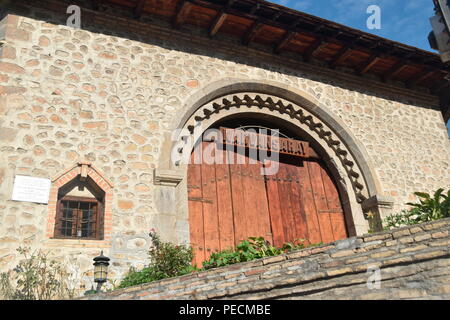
<point x="84" y="170"/>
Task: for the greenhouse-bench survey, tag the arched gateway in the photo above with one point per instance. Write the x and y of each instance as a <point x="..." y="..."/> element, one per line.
<point x="318" y="193"/>
<point x="252" y="181"/>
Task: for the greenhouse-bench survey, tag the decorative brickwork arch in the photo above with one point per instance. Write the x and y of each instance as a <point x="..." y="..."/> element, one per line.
<point x="84" y="170"/>
<point x="254" y="102"/>
<point x="294" y="96"/>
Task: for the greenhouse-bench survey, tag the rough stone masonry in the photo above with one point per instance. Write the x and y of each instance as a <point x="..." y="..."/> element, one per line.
<point x="109" y="94"/>
<point x="413" y="263"/>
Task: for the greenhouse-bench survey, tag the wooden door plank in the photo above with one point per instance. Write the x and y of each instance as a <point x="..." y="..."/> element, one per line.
<point x="197" y="238"/>
<point x="284" y="191"/>
<point x="334" y="204"/>
<point x="255" y="199"/>
<point x="309" y="205"/>
<point x="224" y="203"/>
<point x="261" y="202"/>
<point x="250" y="198"/>
<point x="320" y="200"/>
<point x="210" y="216"/>
<point x="240" y="223"/>
<point x="299" y="216"/>
<point x="273" y="198"/>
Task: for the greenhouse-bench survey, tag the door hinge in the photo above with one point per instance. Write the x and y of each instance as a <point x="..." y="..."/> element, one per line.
<point x="331" y="211"/>
<point x="200" y="199"/>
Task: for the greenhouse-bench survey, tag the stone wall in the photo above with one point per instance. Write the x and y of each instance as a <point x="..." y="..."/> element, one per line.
<point x="109" y="93"/>
<point x="414" y="263"/>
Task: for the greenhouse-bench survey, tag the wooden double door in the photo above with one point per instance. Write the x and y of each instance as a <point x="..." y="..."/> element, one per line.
<point x="240" y="197"/>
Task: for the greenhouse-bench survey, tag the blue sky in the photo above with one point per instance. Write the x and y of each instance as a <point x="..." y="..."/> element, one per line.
<point x="405" y="21"/>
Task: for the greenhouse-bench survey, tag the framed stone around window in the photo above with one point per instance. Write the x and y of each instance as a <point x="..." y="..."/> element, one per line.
<point x="82" y="185"/>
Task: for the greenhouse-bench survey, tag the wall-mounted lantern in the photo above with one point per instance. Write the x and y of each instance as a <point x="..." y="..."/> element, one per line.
<point x="101" y="264"/>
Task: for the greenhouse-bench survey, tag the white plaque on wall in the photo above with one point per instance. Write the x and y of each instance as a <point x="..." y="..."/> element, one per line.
<point x="31" y="189"/>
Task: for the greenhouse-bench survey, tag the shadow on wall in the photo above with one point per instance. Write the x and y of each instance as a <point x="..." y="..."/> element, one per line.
<point x="448" y="128"/>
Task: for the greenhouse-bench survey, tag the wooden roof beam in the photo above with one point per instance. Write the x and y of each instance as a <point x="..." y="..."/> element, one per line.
<point x="138" y="9"/>
<point x="217" y="24"/>
<point x="421" y="76"/>
<point x="252" y="15"/>
<point x="252" y="33"/>
<point x="183" y="12"/>
<point x="313" y="48"/>
<point x="220" y="19"/>
<point x="373" y="59"/>
<point x="395" y="70"/>
<point x="343" y="54"/>
<point x="254" y="29"/>
<point x="288" y="36"/>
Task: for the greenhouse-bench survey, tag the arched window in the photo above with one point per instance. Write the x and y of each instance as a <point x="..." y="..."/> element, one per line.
<point x="80" y="205"/>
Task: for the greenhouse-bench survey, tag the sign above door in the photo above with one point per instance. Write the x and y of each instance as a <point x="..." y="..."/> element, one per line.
<point x="272" y="143"/>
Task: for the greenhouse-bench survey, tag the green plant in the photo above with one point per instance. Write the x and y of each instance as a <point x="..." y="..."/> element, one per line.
<point x="166" y="260"/>
<point x="247" y="250"/>
<point x="135" y="277"/>
<point x="433" y="207"/>
<point x="169" y="260"/>
<point x="404" y="218"/>
<point x="36" y="277"/>
<point x="429" y="208"/>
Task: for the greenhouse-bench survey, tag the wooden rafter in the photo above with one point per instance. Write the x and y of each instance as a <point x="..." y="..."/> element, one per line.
<point x="314" y="32"/>
<point x="252" y="33"/>
<point x="217" y="24"/>
<point x="252" y="15"/>
<point x="313" y="48"/>
<point x="288" y="36"/>
<point x="295" y="25"/>
<point x="373" y="59"/>
<point x="183" y="11"/>
<point x="139" y="8"/>
<point x="421" y="76"/>
<point x="220" y="19"/>
<point x="395" y="70"/>
<point x="343" y="54"/>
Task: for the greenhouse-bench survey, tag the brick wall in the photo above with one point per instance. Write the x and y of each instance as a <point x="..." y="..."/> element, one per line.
<point x="414" y="263"/>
